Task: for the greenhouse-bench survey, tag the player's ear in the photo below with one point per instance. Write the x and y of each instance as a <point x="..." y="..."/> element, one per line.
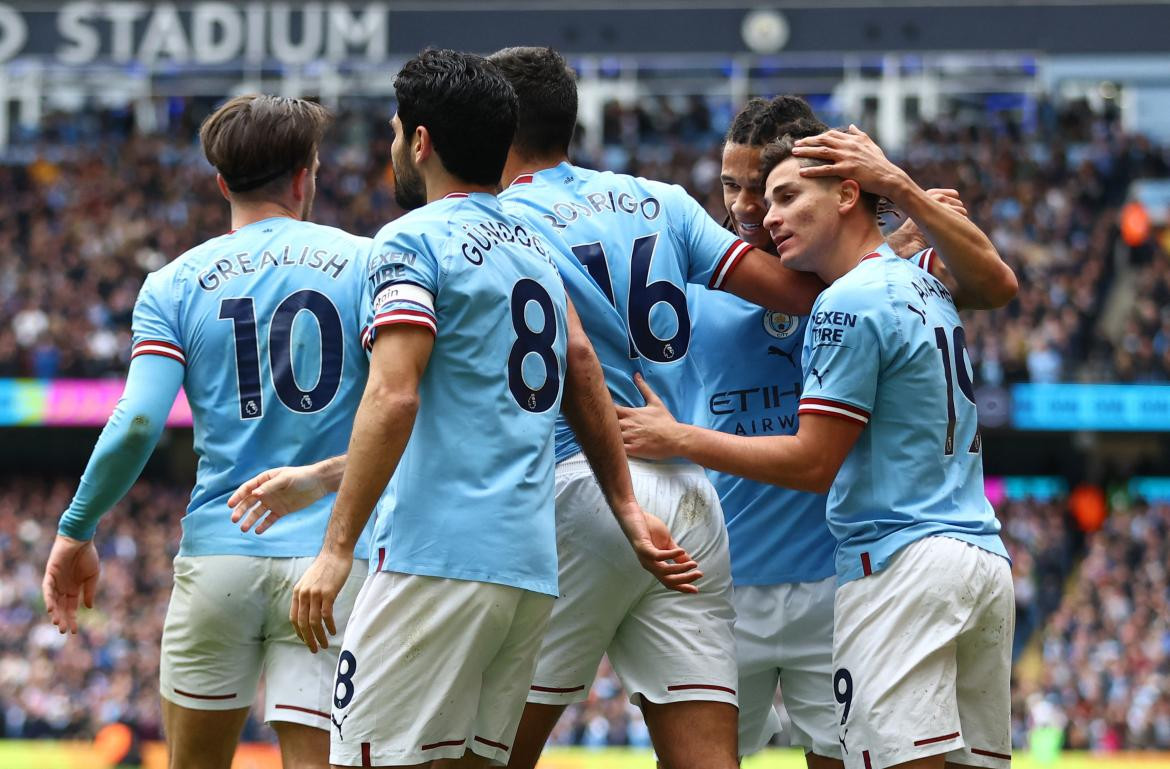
<point x="223" y="188"/>
<point x="848" y="196"/>
<point x="420" y="144"/>
<point x="300" y="183"/>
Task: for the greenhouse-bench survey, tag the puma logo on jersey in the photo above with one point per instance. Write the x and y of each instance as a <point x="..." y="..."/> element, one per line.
<point x="819" y="375"/>
<point x="774" y="350"/>
<point x="338" y="724"/>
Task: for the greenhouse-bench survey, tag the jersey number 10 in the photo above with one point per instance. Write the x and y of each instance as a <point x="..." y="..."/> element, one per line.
<point x="242" y="313"/>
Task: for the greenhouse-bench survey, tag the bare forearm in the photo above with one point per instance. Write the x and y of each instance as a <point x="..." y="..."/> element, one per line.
<point x="781" y="460"/>
<point x="762" y="280"/>
<point x="329" y="472"/>
<point x="980" y="277"/>
<point x="907" y="240"/>
<point x="589" y="410"/>
<point x="381" y="430"/>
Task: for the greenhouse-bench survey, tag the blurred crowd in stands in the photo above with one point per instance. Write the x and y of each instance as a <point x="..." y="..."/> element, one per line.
<point x="91" y="207"/>
<point x="1104" y="637"/>
<point x="1104" y="676"/>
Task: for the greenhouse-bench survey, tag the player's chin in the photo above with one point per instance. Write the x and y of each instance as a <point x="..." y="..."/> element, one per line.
<point x="793" y="258"/>
<point x="755" y="236"/>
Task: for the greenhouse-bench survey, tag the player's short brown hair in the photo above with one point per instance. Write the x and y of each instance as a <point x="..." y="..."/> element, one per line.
<point x="780" y="150"/>
<point x="256" y="141"/>
<point x="546" y="88"/>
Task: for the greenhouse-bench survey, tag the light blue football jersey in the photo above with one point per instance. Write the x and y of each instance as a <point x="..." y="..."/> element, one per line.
<point x="472" y="497"/>
<point x="748" y="360"/>
<point x="629" y="248"/>
<point x="885" y="348"/>
<point x="267" y="321"/>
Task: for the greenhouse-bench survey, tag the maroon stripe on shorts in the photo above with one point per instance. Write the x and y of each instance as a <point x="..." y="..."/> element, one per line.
<point x="491" y="744"/>
<point x="366" y="755"/>
<point x="865" y="757"/>
<point x="1004" y="756"/>
<point x="310" y="711"/>
<point x="712" y="687"/>
<point x="444" y="744"/>
<point x="557" y="689"/>
<point x="205" y="696"/>
<point x="932" y="740"/>
<point x="866" y="567"/>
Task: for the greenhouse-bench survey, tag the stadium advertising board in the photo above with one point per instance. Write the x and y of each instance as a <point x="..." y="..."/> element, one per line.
<point x="70" y="403"/>
<point x="215" y="33"/>
<point x="1120" y="408"/>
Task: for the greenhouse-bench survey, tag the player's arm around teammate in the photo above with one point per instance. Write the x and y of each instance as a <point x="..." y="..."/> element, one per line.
<point x="810" y="459"/>
<point x="975" y="274"/>
<point x="587" y="405"/>
<point x="275" y="493"/>
<point x="381" y="430"/>
<point x="806" y="461"/>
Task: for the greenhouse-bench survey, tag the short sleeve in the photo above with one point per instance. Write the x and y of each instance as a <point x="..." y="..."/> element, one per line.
<point x="842" y="353"/>
<point x="714" y="250"/>
<point x="402" y="280"/>
<point x="155" y="324"/>
<point x="925" y="259"/>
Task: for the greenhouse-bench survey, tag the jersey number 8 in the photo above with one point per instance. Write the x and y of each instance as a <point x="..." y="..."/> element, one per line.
<point x="529" y="342"/>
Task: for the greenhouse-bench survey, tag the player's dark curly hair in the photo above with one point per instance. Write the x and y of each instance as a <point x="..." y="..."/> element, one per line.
<point x="765" y="120"/>
<point x="547" y="92"/>
<point x="466" y="105"/>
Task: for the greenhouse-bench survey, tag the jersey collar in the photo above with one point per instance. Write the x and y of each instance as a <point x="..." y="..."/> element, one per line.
<point x="882" y="250"/>
<point x="234" y="230"/>
<point x="559" y="171"/>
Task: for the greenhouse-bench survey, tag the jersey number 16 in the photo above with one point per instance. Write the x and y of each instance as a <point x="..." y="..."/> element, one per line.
<point x="644" y="296"/>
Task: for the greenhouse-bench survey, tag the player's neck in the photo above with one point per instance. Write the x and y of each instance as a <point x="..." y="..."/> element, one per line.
<point x="441" y="184"/>
<point x="519" y="164"/>
<point x="848" y="251"/>
<point x="250" y="213"/>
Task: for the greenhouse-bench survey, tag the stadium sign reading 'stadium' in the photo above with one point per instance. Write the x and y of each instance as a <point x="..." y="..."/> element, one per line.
<point x="196" y="33"/>
<point x="293" y="33"/>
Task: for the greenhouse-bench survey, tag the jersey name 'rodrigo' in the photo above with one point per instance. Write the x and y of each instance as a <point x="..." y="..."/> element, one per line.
<point x="565" y="212"/>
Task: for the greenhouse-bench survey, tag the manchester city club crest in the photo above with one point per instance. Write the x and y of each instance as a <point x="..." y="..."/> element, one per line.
<point x="780" y="324"/>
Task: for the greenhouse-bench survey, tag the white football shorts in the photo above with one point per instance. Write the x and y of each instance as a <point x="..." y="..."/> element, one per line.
<point x="431" y="668"/>
<point x="784" y="635"/>
<point x="664" y="645"/>
<point x="922" y="658"/>
<point x="228" y="622"/>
